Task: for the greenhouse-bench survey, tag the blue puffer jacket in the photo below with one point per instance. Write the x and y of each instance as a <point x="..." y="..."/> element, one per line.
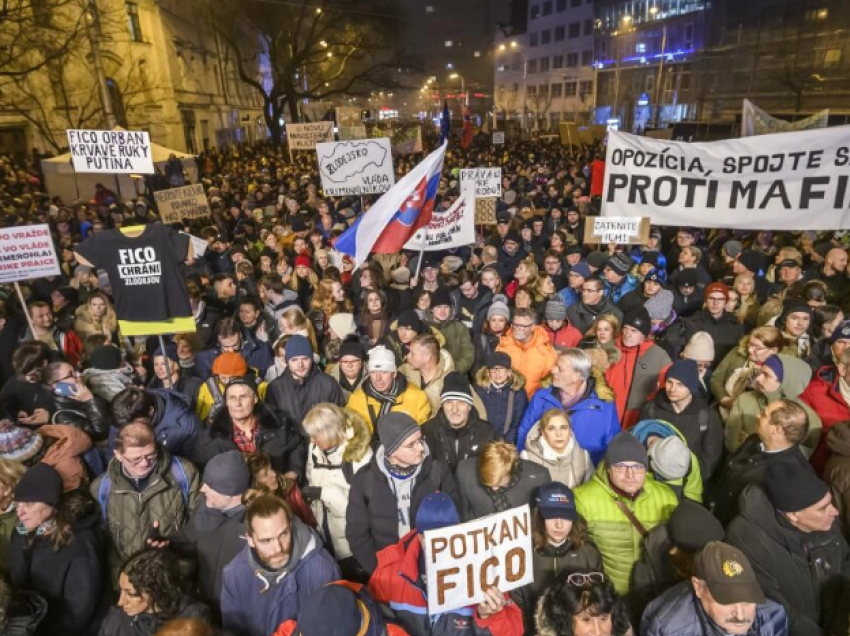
<point x="629" y="284"/>
<point x="593" y="420"/>
<point x="678" y="612"/>
<point x="174" y="422"/>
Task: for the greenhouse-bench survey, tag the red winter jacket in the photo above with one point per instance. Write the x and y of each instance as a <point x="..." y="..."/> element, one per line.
<point x="567" y="336"/>
<point x="824" y="397"/>
<point x="634" y="378"/>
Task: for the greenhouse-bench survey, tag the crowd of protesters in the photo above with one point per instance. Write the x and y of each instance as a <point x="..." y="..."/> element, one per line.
<point x="676" y="414"/>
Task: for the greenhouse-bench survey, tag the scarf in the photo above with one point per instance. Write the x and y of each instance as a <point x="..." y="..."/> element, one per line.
<point x="499" y="496"/>
<point x="351" y="387"/>
<point x="399" y="472"/>
<point x="388" y="399"/>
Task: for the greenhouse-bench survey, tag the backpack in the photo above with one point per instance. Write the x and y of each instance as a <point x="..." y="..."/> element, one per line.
<point x="177" y="471"/>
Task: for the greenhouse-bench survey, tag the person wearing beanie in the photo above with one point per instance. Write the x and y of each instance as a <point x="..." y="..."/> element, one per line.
<point x="456" y="432"/>
<point x="386" y="494"/>
<point x="689" y="484"/>
<point x="561" y="333"/>
<point x="724" y="328"/>
<point x="501" y="391"/>
<point x="210" y="397"/>
<point x="591" y="304"/>
<point x="350" y="368"/>
<point x="722" y="595"/>
<point x="578" y="273"/>
<point x="669" y="459"/>
<point x="455" y="334"/>
<point x="621" y="484"/>
<point x="634" y="376"/>
<point x="687" y="296"/>
<point x="789" y="529"/>
<point x="65" y="568"/>
<point x="618" y="279"/>
<point x="795" y="321"/>
<point x="700" y="349"/>
<point x="681" y="403"/>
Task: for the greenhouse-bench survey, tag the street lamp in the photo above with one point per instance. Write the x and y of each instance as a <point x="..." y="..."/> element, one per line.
<point x="516" y="47"/>
<point x="462" y="86"/>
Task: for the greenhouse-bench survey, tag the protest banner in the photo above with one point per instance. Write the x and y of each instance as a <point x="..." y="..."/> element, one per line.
<point x="348" y="116"/>
<point x="498" y="138"/>
<point x="346" y="133"/>
<point x="176" y="204"/>
<point x="453" y="228"/>
<point x="354" y="168"/>
<point x="27" y="252"/>
<point x="111" y="151"/>
<point x="568" y="131"/>
<point x="488" y="181"/>
<point x="462" y="561"/>
<point x="629" y="230"/>
<point x="755" y="121"/>
<point x="306" y="136"/>
<point x="485" y="211"/>
<point x="789" y="181"/>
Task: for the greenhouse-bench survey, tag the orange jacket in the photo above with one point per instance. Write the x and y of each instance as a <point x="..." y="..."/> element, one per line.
<point x="533" y="358"/>
<point x="65" y="454"/>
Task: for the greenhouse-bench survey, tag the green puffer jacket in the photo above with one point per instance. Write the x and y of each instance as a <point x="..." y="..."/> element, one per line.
<point x="130" y="515"/>
<point x="458" y="343"/>
<point x="616" y="538"/>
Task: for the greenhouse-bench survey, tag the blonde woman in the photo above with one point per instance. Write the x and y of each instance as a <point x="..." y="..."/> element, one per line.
<point x="293" y="321"/>
<point x="551" y="444"/>
<point x="10" y="474"/>
<point x="525" y="275"/>
<point x="748" y="307"/>
<point x="96" y="317"/>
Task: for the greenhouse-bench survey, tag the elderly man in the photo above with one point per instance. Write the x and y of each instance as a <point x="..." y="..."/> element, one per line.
<point x="722" y="597"/>
<point x="385" y="390"/>
<point x="530" y="349"/>
<point x="593" y="418"/>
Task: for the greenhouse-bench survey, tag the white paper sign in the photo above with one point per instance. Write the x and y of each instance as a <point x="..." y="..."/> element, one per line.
<point x="488" y="181"/>
<point x="176" y="204"/>
<point x="352" y="168"/>
<point x="616" y="229"/>
<point x="787" y="181"/>
<point x="111" y="151"/>
<point x="306" y="136"/>
<point x="453" y="228"/>
<point x="462" y="561"/>
<point x="498" y="138"/>
<point x="199" y="245"/>
<point x="27" y="252"/>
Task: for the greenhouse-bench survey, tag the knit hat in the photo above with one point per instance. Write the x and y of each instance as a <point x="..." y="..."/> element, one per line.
<point x="556" y="501"/>
<point x="619" y="263"/>
<point x="436" y="511"/>
<point x="106" y="357"/>
<point x="332" y="610"/>
<point x="597" y="259"/>
<point x="581" y="269"/>
<point x="691" y="526"/>
<point x="343" y="325"/>
<point x="686" y="278"/>
<point x="670" y="458"/>
<point x="228" y="474"/>
<point x="411" y="320"/>
<point x="555" y="310"/>
<point x="660" y="306"/>
<point x="381" y="359"/>
<point x="774" y="363"/>
<point x="299" y="225"/>
<point x="352" y="348"/>
<point x="649" y="257"/>
<point x="700" y="347"/>
<point x="170" y="352"/>
<point x="456" y="387"/>
<point x="733" y="248"/>
<point x="498" y="359"/>
<point x="18" y="443"/>
<point x="69" y="293"/>
<point x="625" y="447"/>
<point x="302" y="260"/>
<point x="499" y="308"/>
<point x="716" y="288"/>
<point x="298" y="347"/>
<point x="842" y="332"/>
<point x="639" y="319"/>
<point x="230" y="364"/>
<point x="728" y="574"/>
<point x="793" y="306"/>
<point x="393" y="429"/>
<point x="514" y="236"/>
<point x="655" y="275"/>
<point x="441" y="297"/>
<point x="752" y="261"/>
<point x="792" y="487"/>
<point x="687" y="372"/>
<point x="40" y="484"/>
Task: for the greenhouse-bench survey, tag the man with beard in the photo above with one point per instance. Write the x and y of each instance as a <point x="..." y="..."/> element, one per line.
<point x="722" y="598"/>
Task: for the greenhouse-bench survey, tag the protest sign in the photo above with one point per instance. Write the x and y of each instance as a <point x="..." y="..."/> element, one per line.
<point x="755" y="121"/>
<point x="27" y="252"/>
<point x="629" y="230"/>
<point x="348" y="116"/>
<point x="462" y="561"/>
<point x="111" y="151"/>
<point x="788" y="181"/>
<point x="176" y="204"/>
<point x="485" y="211"/>
<point x="568" y="131"/>
<point x="352" y="132"/>
<point x="488" y="181"/>
<point x="353" y="168"/>
<point x="306" y="136"/>
<point x="199" y="245"/>
<point x="453" y="228"/>
<point x="498" y="138"/>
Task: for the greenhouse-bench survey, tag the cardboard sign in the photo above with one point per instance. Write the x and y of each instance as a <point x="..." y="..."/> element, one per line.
<point x="498" y="138"/>
<point x="306" y="136"/>
<point x="485" y="211"/>
<point x="176" y="204"/>
<point x="624" y="230"/>
<point x="348" y="116"/>
<point x="453" y="228"/>
<point x="27" y="252"/>
<point x="462" y="561"/>
<point x="111" y="151"/>
<point x="488" y="181"/>
<point x="354" y="168"/>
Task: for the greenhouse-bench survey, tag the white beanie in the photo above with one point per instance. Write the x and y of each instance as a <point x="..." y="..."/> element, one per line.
<point x="700" y="347"/>
<point x="381" y="359"/>
<point x="670" y="458"/>
<point x="342" y="325"/>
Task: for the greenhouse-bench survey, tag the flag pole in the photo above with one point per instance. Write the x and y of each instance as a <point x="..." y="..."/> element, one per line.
<point x="419" y="261"/>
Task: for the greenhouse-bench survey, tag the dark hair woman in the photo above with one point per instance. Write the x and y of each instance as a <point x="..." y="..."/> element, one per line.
<point x="582" y="604"/>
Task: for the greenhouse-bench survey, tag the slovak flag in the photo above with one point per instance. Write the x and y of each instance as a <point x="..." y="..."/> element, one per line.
<point x="398" y="214"/>
<point x="467" y="128"/>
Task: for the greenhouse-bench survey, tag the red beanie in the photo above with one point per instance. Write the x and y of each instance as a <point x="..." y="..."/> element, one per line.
<point x="303" y="260"/>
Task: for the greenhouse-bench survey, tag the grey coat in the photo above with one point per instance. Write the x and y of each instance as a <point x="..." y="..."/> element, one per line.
<point x="475" y="502"/>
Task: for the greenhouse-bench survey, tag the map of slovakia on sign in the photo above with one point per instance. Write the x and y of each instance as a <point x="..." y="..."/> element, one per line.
<point x="27" y="252"/>
<point x="176" y="204"/>
<point x="488" y="181"/>
<point x="463" y="560"/>
<point x="353" y="168"/>
<point x="306" y="136"/>
<point x="111" y="151"/>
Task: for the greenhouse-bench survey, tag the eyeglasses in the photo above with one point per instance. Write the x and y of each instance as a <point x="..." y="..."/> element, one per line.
<point x="147" y="459"/>
<point x="70" y="376"/>
<point x="517" y="325"/>
<point x="716" y="299"/>
<point x="637" y="469"/>
<point x="580" y="579"/>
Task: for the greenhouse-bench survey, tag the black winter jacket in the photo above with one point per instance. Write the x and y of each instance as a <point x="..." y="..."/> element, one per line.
<point x="726" y="332"/>
<point x="91" y="417"/>
<point x="454" y="445"/>
<point x="296" y="397"/>
<point x="117" y="623"/>
<point x="477" y="503"/>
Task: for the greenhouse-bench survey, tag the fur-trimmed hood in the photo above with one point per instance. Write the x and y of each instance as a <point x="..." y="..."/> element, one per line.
<point x="482" y="379"/>
<point x="358" y="437"/>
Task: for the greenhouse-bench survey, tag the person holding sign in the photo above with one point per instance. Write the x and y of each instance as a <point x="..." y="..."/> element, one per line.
<point x="400" y="582"/>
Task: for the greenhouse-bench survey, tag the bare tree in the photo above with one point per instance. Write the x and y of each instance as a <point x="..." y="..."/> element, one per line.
<point x="795" y="76"/>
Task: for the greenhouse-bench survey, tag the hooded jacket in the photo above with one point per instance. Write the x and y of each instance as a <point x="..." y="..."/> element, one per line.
<point x="534" y="358"/>
<point x="634" y="377"/>
<point x="743" y="418"/>
<point x="476" y="501"/>
<point x="255" y="601"/>
<point x="458" y="342"/>
<point x="837" y="471"/>
<point x="117" y="623"/>
<point x="504" y="405"/>
<point x="691" y="485"/>
<point x="573" y="468"/>
<point x="455" y="445"/>
<point x="805" y="572"/>
<point x="823" y="394"/>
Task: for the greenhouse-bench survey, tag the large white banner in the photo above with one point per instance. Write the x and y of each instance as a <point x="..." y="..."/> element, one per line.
<point x="488" y="181"/>
<point x="788" y="181"/>
<point x="462" y="561"/>
<point x="453" y="228"/>
<point x="111" y="151"/>
<point x="306" y="136"/>
<point x="353" y="168"/>
<point x="27" y="252"/>
<point x="755" y="121"/>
